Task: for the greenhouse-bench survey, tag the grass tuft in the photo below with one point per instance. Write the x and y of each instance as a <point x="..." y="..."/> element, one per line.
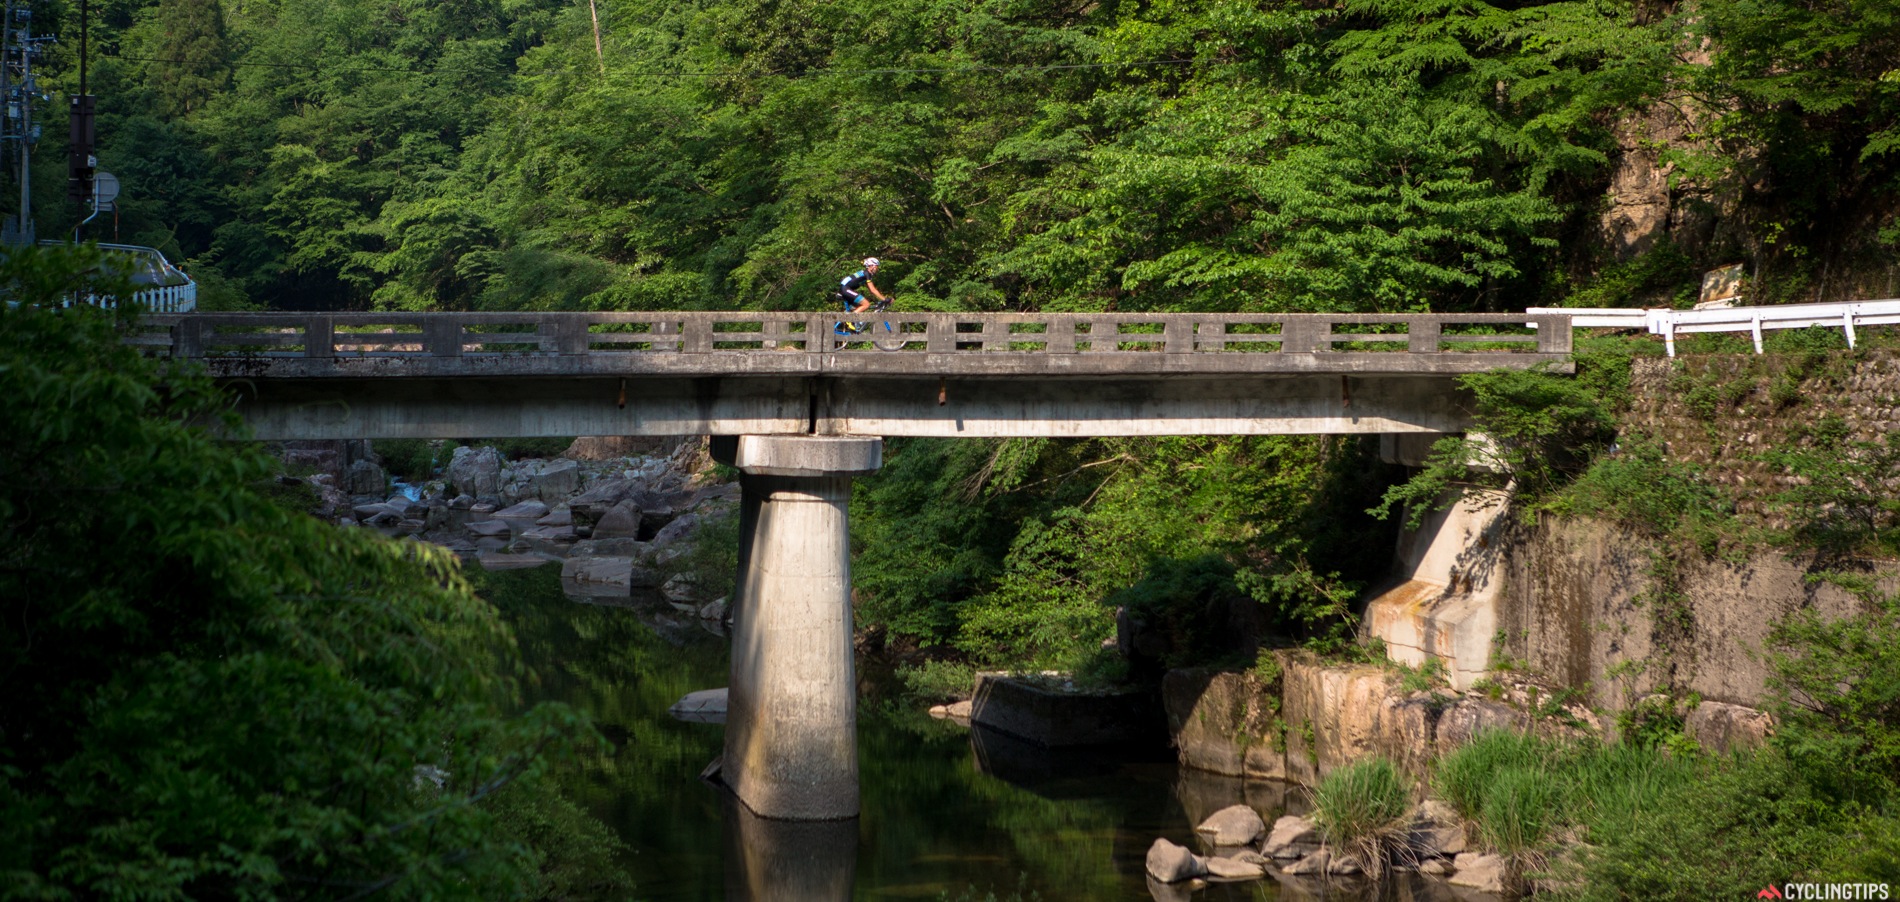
<point x="1361" y="809"/>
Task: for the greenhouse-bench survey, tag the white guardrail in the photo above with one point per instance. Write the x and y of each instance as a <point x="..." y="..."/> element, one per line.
<point x="161" y="299"/>
<point x="1670" y="323"/>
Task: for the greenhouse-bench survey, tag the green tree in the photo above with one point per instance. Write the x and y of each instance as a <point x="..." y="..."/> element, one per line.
<point x="211" y="695"/>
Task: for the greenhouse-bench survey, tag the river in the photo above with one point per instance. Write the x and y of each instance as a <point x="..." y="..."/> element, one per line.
<point x="948" y="813"/>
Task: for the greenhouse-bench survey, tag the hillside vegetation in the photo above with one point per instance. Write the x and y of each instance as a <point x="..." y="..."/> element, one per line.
<point x="998" y="154"/>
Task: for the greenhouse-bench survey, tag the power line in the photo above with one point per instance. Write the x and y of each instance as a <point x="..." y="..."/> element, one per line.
<point x="937" y="70"/>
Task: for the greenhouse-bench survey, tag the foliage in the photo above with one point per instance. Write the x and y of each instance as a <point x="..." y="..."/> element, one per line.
<point x="938" y="681"/>
<point x="1836" y="684"/>
<point x="1519" y="805"/>
<point x="711" y="561"/>
<point x="1739" y="825"/>
<point x="1535" y="430"/>
<point x="529" y="448"/>
<point x="1462" y="776"/>
<point x="1840" y="500"/>
<point x="1654" y="494"/>
<point x="1049" y="537"/>
<point x="211" y="695"/>
<point x="413" y="460"/>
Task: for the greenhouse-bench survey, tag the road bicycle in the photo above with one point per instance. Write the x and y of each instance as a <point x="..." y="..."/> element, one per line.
<point x="881" y="333"/>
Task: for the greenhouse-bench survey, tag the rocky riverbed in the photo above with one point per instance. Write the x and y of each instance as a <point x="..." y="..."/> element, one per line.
<point x="615" y="516"/>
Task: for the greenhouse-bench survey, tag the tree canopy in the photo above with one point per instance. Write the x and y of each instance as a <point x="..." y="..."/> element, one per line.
<point x="1175" y="155"/>
<point x="209" y="693"/>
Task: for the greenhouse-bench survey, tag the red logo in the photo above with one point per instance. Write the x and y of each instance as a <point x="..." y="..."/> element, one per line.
<point x="1772" y="892"/>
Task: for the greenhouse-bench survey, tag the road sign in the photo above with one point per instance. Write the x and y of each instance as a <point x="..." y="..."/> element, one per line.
<point x="105" y="189"/>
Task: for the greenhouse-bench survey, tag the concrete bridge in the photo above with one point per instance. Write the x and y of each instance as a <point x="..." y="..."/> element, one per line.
<point x="800" y="416"/>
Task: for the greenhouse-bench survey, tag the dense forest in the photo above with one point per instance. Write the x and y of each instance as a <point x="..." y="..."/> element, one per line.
<point x="997" y="154"/>
<point x="1375" y="155"/>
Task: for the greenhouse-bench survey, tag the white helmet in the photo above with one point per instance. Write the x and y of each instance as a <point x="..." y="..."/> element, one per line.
<point x="870" y="261"/>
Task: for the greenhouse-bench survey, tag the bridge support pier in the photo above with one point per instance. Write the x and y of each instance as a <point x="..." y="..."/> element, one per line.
<point x="791" y="716"/>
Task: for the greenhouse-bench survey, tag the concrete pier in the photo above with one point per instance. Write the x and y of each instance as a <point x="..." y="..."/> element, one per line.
<point x="791" y="721"/>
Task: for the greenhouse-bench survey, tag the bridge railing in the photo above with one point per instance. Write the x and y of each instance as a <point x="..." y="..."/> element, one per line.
<point x="338" y="335"/>
<point x="1753" y="320"/>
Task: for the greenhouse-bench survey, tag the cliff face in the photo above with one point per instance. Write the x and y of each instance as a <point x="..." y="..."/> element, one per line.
<point x="1581" y="608"/>
<point x="1608" y="611"/>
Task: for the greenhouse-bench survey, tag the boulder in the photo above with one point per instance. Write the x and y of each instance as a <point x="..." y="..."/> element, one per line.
<point x="365" y="478"/>
<point x="549" y="540"/>
<point x="1234" y="869"/>
<point x="704" y="706"/>
<point x="561" y="515"/>
<point x="680" y="528"/>
<point x="1484" y="873"/>
<point x="1722" y="728"/>
<point x="370" y="510"/>
<point x="1434" y="868"/>
<point x="494" y="560"/>
<point x="1170" y="863"/>
<point x="1313" y="864"/>
<point x="589" y="506"/>
<point x="1473" y="715"/>
<point x="713" y="610"/>
<point x="633" y="548"/>
<point x="548" y="480"/>
<point x="490" y="528"/>
<point x="439" y="516"/>
<point x="1235" y="825"/>
<point x="1436" y="830"/>
<point x="622" y="521"/>
<point x="475" y="472"/>
<point x="1292" y="836"/>
<point x="1333" y="713"/>
<point x="403" y="505"/>
<point x="958" y="709"/>
<point x="1224" y="723"/>
<point x="598" y="576"/>
<point x="680" y="589"/>
<point x="526" y="510"/>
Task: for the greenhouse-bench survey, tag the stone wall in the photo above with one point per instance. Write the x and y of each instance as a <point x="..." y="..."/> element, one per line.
<point x="1720" y="412"/>
<point x="1577" y="610"/>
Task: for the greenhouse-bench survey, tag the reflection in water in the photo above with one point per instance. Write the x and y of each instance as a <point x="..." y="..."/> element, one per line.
<point x="793" y="861"/>
<point x="945" y="811"/>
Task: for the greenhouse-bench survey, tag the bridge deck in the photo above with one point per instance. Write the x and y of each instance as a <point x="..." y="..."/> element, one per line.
<point x="300" y="376"/>
<point x="363" y="345"/>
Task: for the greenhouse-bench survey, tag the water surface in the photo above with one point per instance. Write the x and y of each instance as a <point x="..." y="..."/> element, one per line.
<point x="947" y="812"/>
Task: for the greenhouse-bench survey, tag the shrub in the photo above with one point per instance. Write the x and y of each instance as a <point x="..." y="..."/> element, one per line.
<point x="413" y="460"/>
<point x="1742" y="824"/>
<point x="938" y="680"/>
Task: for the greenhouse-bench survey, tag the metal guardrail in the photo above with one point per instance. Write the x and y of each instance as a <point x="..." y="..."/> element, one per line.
<point x="1754" y="320"/>
<point x="163" y="299"/>
<point x="449" y="335"/>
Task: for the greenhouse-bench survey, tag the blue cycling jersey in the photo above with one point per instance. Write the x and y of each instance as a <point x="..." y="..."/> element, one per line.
<point x="848" y="286"/>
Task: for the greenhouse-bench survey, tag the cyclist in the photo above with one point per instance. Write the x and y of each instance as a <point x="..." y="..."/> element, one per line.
<point x="848" y="294"/>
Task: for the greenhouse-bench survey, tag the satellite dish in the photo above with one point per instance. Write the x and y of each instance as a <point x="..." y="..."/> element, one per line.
<point x="105" y="189"/>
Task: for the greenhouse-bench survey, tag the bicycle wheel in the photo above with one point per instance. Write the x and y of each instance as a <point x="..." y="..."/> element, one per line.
<point x="843" y="336"/>
<point x="886" y="337"/>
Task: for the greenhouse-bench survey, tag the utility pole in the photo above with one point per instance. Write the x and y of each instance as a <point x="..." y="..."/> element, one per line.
<point x="19" y="90"/>
<point x="81" y="164"/>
